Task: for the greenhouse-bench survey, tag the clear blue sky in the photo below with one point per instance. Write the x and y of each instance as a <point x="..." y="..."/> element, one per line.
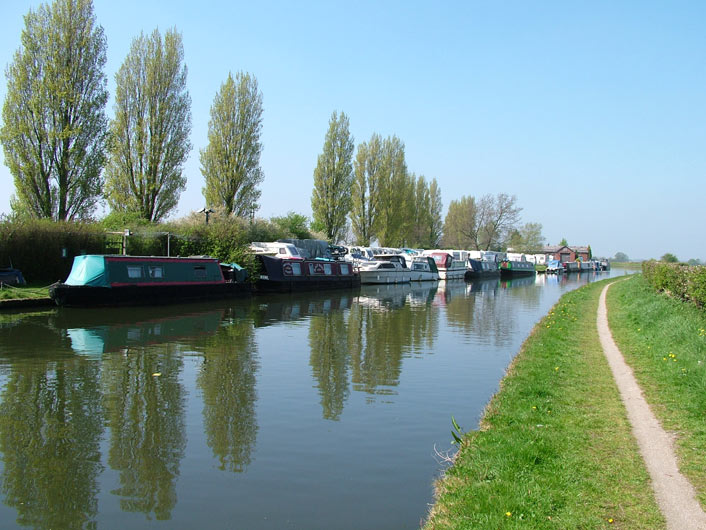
<point x="592" y="113"/>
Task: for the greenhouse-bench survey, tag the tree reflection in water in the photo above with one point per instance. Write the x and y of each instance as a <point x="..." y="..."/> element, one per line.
<point x="50" y="427"/>
<point x="144" y="403"/>
<point x="227" y="381"/>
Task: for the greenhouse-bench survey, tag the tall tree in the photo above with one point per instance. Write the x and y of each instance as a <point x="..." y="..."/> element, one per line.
<point x="230" y="163"/>
<point x="150" y="131"/>
<point x="333" y="178"/>
<point x="392" y="190"/>
<point x="54" y="125"/>
<point x="461" y="224"/>
<point x="364" y="195"/>
<point x="435" y="226"/>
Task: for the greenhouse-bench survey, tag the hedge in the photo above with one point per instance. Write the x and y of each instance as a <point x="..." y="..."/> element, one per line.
<point x="44" y="250"/>
<point x="677" y="279"/>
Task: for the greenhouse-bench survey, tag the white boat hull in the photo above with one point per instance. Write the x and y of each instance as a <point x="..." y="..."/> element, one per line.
<point x="384" y="276"/>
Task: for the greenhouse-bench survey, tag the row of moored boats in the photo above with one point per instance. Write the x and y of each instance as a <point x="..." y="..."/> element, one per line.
<point x="285" y="265"/>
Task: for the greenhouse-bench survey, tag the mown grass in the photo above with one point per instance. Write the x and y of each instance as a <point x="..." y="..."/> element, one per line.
<point x="664" y="340"/>
<point x="625" y="264"/>
<point x="555" y="449"/>
<point x="9" y="292"/>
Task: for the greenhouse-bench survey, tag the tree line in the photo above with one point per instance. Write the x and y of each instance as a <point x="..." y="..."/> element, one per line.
<point x="373" y="197"/>
<point x="65" y="155"/>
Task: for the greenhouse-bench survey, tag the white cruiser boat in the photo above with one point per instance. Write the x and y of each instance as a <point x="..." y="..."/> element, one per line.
<point x="424" y="269"/>
<point x="384" y="269"/>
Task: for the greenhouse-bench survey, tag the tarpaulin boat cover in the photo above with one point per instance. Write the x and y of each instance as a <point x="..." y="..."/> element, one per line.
<point x="89" y="270"/>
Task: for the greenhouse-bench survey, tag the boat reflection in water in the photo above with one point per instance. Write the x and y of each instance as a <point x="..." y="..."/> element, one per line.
<point x="90" y="334"/>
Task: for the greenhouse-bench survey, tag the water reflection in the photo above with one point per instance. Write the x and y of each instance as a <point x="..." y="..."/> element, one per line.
<point x="144" y="404"/>
<point x="50" y="426"/>
<point x="227" y="381"/>
<point x="119" y="407"/>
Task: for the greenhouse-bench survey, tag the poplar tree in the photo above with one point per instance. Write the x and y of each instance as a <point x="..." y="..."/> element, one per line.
<point x="54" y="125"/>
<point x="333" y="178"/>
<point x="392" y="187"/>
<point x="150" y="131"/>
<point x="436" y="224"/>
<point x="230" y="163"/>
<point x="364" y="195"/>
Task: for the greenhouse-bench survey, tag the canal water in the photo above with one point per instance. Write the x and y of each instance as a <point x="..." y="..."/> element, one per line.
<point x="315" y="410"/>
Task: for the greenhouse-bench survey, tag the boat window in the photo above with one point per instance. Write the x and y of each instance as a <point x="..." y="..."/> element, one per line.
<point x="200" y="272"/>
<point x="386" y="265"/>
<point x="345" y="269"/>
<point x="294" y="251"/>
<point x="156" y="272"/>
<point x="327" y="268"/>
<point x="292" y="269"/>
<point x="134" y="271"/>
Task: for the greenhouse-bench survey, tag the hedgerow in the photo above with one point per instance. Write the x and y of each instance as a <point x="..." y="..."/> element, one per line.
<point x="687" y="282"/>
<point x="44" y="250"/>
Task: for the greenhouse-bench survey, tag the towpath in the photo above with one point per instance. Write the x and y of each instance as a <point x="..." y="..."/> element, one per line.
<point x="675" y="494"/>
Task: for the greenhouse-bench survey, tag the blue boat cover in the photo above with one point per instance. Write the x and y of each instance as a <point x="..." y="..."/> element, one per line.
<point x="88" y="270"/>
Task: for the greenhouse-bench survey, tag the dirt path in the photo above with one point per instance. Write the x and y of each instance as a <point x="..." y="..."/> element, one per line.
<point x="675" y="495"/>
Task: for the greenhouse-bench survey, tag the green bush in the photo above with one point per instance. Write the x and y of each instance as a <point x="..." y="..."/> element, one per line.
<point x="677" y="279"/>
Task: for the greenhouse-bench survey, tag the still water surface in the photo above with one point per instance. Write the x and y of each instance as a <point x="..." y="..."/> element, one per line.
<point x="288" y="411"/>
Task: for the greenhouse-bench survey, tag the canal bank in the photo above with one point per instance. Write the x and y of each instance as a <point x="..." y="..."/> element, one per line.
<point x="555" y="447"/>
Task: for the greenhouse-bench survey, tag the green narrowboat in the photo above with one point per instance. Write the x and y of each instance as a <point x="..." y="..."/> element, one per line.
<point x="106" y="280"/>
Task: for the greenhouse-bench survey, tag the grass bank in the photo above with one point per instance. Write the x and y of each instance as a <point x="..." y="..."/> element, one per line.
<point x="664" y="340"/>
<point x="555" y="447"/>
<point x="9" y="292"/>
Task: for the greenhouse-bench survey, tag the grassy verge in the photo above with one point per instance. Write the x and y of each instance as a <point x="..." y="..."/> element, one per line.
<point x="664" y="340"/>
<point x="8" y="292"/>
<point x="555" y="447"/>
<point x="626" y="264"/>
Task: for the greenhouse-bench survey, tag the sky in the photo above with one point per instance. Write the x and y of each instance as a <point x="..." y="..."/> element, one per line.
<point x="592" y="113"/>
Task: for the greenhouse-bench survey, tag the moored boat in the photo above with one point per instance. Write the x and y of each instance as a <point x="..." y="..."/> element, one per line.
<point x="481" y="270"/>
<point x="384" y="269"/>
<point x="510" y="268"/>
<point x="104" y="280"/>
<point x="449" y="268"/>
<point x="554" y="266"/>
<point x="292" y="274"/>
<point x="424" y="269"/>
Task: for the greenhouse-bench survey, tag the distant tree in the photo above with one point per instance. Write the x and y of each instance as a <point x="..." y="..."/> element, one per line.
<point x="694" y="262"/>
<point x="621" y="257"/>
<point x="436" y="224"/>
<point x="333" y="179"/>
<point x="496" y="217"/>
<point x="150" y="131"/>
<point x="460" y="225"/>
<point x="669" y="258"/>
<point x="295" y="224"/>
<point x="230" y="163"/>
<point x="54" y="126"/>
<point x="364" y="196"/>
<point x="563" y="242"/>
<point x="527" y="238"/>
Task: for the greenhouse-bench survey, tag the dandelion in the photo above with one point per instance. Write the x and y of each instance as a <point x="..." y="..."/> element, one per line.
<point x="534" y="408"/>
<point x="610" y="520"/>
<point x="556" y="368"/>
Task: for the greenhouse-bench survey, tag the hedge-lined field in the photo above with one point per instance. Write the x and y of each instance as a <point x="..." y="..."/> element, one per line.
<point x="44" y="250"/>
<point x="679" y="280"/>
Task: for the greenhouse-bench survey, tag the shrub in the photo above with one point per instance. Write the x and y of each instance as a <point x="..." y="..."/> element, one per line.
<point x="677" y="279"/>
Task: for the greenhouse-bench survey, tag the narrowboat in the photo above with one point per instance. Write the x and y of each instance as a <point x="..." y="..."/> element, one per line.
<point x="105" y="280"/>
<point x="292" y="274"/>
<point x="481" y="270"/>
<point x="510" y="268"/>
